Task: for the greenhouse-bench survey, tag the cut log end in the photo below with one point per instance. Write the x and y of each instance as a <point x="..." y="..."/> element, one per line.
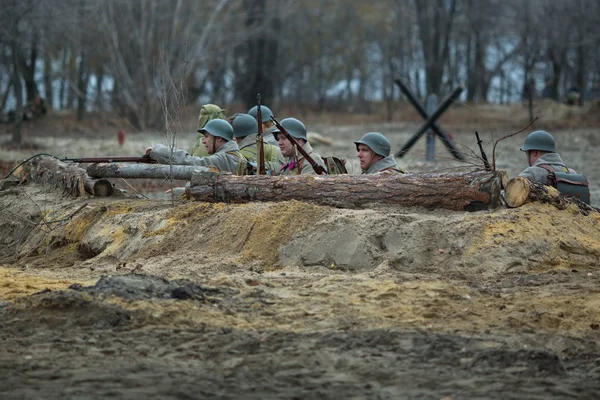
<point x="103" y="188"/>
<point x="517" y="192"/>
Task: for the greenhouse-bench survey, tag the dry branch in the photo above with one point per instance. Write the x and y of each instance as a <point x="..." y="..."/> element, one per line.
<point x="466" y="191"/>
<point x="506" y="137"/>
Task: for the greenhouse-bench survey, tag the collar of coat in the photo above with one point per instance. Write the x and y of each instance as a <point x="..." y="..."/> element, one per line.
<point x="384" y="163"/>
<point x="247" y="141"/>
<point x="550" y="159"/>
<point x="228" y="147"/>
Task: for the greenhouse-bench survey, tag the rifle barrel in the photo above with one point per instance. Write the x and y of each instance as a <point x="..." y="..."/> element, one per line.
<point x="118" y="159"/>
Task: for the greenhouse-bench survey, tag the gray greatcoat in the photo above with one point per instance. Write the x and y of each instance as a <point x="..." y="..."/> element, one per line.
<point x="385" y="164"/>
<point x="228" y="158"/>
<point x="539" y="174"/>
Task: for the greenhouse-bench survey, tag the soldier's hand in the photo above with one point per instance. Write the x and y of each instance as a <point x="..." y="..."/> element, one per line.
<point x="148" y="151"/>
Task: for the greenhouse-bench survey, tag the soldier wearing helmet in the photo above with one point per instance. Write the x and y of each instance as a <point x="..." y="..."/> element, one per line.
<point x="374" y="154"/>
<point x="208" y="112"/>
<point x="244" y="132"/>
<point x="294" y="163"/>
<point x="268" y="125"/>
<point x="224" y="153"/>
<point x="541" y="156"/>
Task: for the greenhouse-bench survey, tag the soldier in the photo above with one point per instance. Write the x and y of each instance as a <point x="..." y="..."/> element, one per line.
<point x="244" y="132"/>
<point x="208" y="112"/>
<point x="295" y="164"/>
<point x="546" y="167"/>
<point x="269" y="129"/>
<point x="374" y="154"/>
<point x="541" y="154"/>
<point x="224" y="153"/>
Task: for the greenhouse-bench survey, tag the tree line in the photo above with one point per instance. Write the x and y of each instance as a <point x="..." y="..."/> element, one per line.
<point x="120" y="55"/>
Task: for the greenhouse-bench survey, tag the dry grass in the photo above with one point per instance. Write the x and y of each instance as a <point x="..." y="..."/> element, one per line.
<point x="552" y="115"/>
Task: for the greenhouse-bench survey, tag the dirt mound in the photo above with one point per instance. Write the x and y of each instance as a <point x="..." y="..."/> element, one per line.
<point x="109" y="236"/>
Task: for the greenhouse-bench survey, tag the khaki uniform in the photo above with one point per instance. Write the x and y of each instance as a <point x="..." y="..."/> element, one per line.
<point x="228" y="158"/>
<point x="208" y="112"/>
<point x="539" y="174"/>
<point x="385" y="164"/>
<point x="249" y="149"/>
<point x="291" y="166"/>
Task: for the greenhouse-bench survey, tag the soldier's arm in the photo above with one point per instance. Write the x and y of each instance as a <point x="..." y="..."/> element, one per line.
<point x="162" y="155"/>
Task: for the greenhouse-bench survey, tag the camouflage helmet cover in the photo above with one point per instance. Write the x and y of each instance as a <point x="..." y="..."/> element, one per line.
<point x="209" y="112"/>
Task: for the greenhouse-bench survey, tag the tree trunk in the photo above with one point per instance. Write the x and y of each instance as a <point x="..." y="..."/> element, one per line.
<point x="71" y="79"/>
<point x="520" y="191"/>
<point x="48" y="78"/>
<point x="63" y="80"/>
<point x="18" y="89"/>
<point x="261" y="55"/>
<point x="466" y="191"/>
<point x="6" y="93"/>
<point x="28" y="66"/>
<point x="70" y="179"/>
<point x="98" y="101"/>
<point x="144" y="171"/>
<point x="82" y="83"/>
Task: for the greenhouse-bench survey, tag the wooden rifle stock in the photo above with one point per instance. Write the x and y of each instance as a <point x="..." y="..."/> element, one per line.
<point x="260" y="146"/>
<point x="119" y="159"/>
<point x="318" y="169"/>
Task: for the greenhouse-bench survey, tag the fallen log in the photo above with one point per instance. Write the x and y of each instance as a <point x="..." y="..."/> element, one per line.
<point x="466" y="191"/>
<point x="70" y="179"/>
<point x="145" y="171"/>
<point x="520" y="191"/>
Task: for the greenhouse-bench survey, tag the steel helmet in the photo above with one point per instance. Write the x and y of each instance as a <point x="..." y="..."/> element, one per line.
<point x="539" y="140"/>
<point x="244" y="125"/>
<point x="265" y="112"/>
<point x="218" y="127"/>
<point x="294" y="128"/>
<point x="376" y="142"/>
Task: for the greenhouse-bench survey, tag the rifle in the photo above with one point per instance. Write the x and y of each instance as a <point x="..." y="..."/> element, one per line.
<point x="486" y="163"/>
<point x="260" y="146"/>
<point x="119" y="159"/>
<point x="318" y="169"/>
